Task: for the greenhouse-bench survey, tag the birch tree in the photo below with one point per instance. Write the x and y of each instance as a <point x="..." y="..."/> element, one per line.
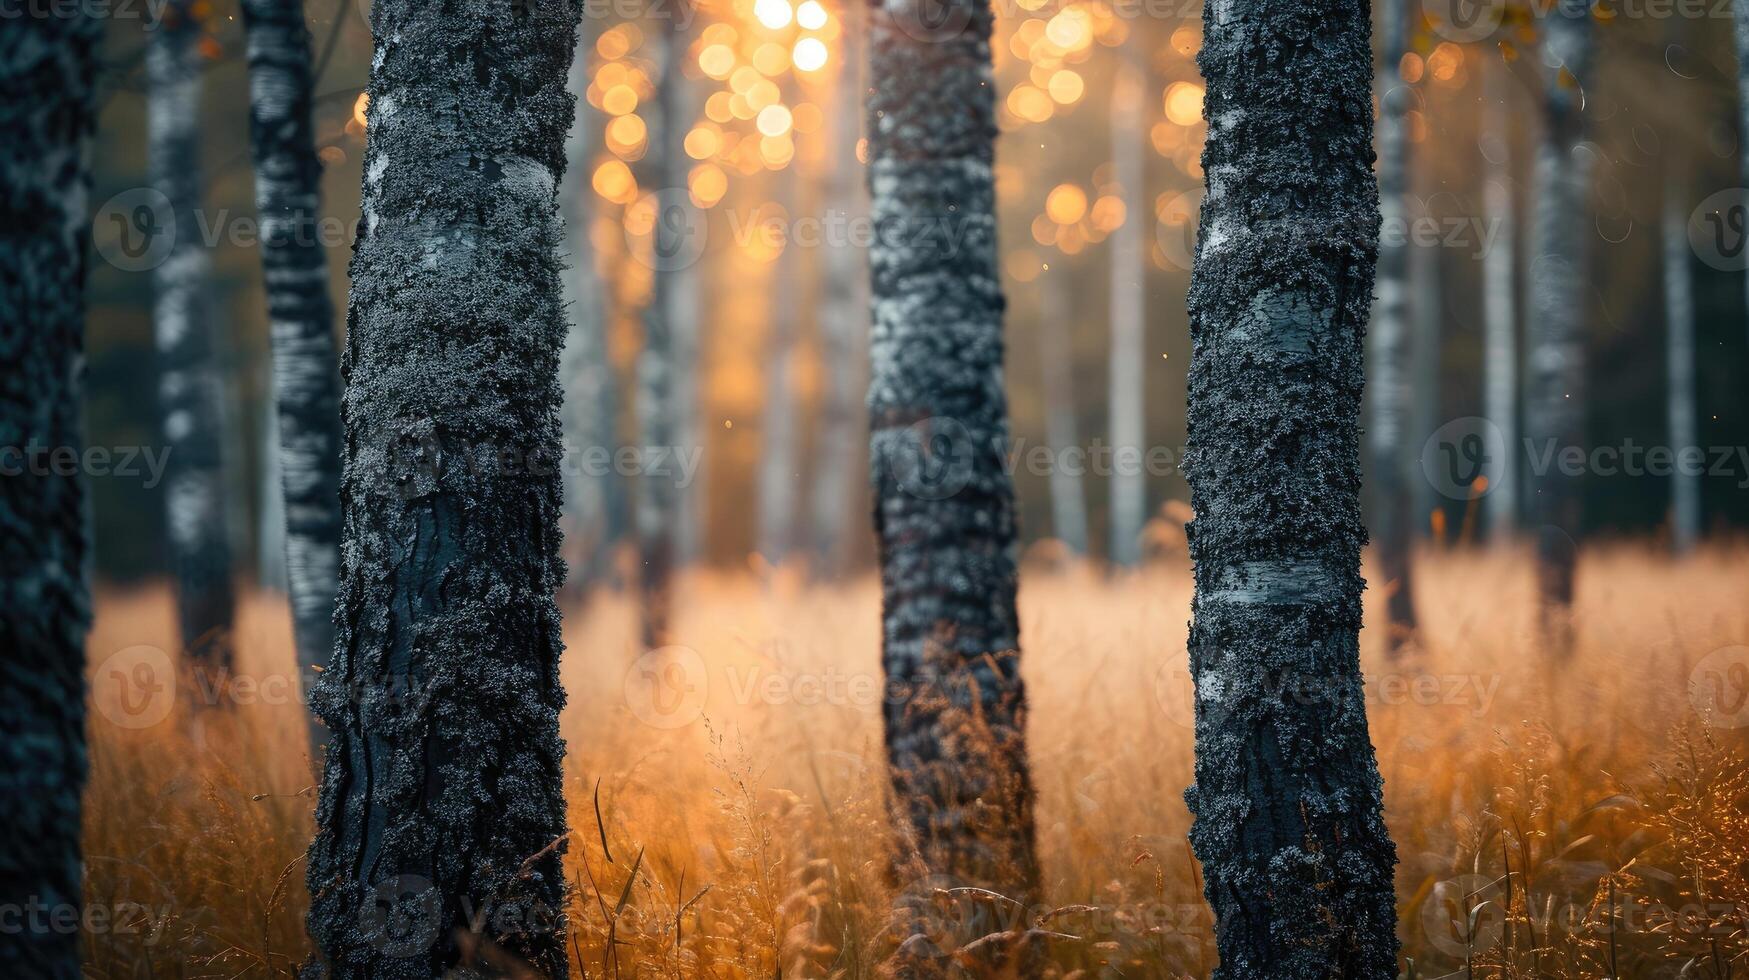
<point x="1056" y="363"/>
<point x="1287" y="807"/>
<point x="594" y="501"/>
<point x="944" y="505"/>
<point x="1555" y="346"/>
<point x="843" y="319"/>
<point x="441" y="811"/>
<point x="1679" y="360"/>
<point x="1392" y="345"/>
<point x="1129" y="490"/>
<point x="1500" y="302"/>
<point x="190" y="390"/>
<point x="778" y="482"/>
<point x="306" y="378"/>
<point x="47" y="67"/>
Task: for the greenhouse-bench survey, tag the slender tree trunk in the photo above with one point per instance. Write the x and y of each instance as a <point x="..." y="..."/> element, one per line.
<point x="1500" y="307"/>
<point x="778" y="481"/>
<point x="658" y="504"/>
<point x="1393" y="346"/>
<point x="1740" y="20"/>
<point x="1129" y="490"/>
<point x="1555" y="358"/>
<point x="1427" y="285"/>
<point x="1068" y="501"/>
<point x="944" y="504"/>
<point x="442" y="806"/>
<point x="306" y="376"/>
<point x="594" y="496"/>
<point x="1679" y="360"/>
<point x="190" y="391"/>
<point x="1287" y="804"/>
<point x="843" y="322"/>
<point x="47" y="67"/>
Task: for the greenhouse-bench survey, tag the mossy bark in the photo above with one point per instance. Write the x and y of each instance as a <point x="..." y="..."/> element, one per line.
<point x="47" y="70"/>
<point x="441" y="810"/>
<point x="306" y="377"/>
<point x="943" y="501"/>
<point x="1287" y="806"/>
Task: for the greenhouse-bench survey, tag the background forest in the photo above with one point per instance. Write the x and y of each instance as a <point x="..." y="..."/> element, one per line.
<point x="1560" y="809"/>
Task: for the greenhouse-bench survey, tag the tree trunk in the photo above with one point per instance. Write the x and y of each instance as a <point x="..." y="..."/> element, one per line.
<point x="594" y="495"/>
<point x="1287" y="802"/>
<point x="1500" y="307"/>
<point x="1555" y="356"/>
<point x="190" y="390"/>
<point x="47" y="68"/>
<point x="778" y="482"/>
<point x="1129" y="270"/>
<point x="843" y="319"/>
<point x="1740" y="20"/>
<point x="1393" y="347"/>
<point x="659" y="495"/>
<point x="943" y="501"/>
<point x="441" y="809"/>
<point x="1068" y="501"/>
<point x="306" y="377"/>
<point x="1679" y="360"/>
<point x="1427" y="285"/>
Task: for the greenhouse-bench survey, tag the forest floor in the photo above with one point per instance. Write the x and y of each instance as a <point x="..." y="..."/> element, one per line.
<point x="1581" y="818"/>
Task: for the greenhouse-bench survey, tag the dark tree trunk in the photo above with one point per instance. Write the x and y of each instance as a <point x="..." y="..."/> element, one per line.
<point x="47" y="66"/>
<point x="1685" y="514"/>
<point x="1555" y="358"/>
<point x="1288" y="801"/>
<point x="1500" y="301"/>
<point x="306" y="378"/>
<point x="1392" y="349"/>
<point x="943" y="502"/>
<point x="190" y="390"/>
<point x="442" y="802"/>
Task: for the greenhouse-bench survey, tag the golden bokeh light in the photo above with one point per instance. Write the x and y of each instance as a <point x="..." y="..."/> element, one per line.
<point x="619" y="100"/>
<point x="774" y="14"/>
<point x="717" y="61"/>
<point x="1066" y="204"/>
<point x="810" y="54"/>
<point x="1066" y="87"/>
<point x="774" y="120"/>
<point x="1184" y="103"/>
<point x="810" y="15"/>
<point x="703" y="142"/>
<point x="707" y="184"/>
<point x="613" y="180"/>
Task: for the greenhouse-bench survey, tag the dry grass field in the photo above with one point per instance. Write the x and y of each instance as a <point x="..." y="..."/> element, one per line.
<point x="1586" y="818"/>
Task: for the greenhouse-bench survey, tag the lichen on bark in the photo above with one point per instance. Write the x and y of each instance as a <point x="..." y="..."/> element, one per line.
<point x="1287" y="805"/>
<point x="441" y="813"/>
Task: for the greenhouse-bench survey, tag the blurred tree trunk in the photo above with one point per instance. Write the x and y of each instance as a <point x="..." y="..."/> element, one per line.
<point x="666" y="325"/>
<point x="1740" y="20"/>
<point x="778" y="480"/>
<point x="1555" y="350"/>
<point x="1500" y="303"/>
<point x="1427" y="286"/>
<point x="843" y="320"/>
<point x="1393" y="346"/>
<point x="190" y="390"/>
<point x="48" y="66"/>
<point x="1129" y="270"/>
<point x="1679" y="358"/>
<point x="1056" y="359"/>
<point x="306" y="376"/>
<point x="594" y="501"/>
<point x="944" y="504"/>
<point x="442" y="795"/>
<point x="1287" y="803"/>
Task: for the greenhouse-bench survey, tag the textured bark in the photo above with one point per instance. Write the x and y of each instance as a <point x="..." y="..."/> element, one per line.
<point x="47" y="69"/>
<point x="441" y="808"/>
<point x="666" y="320"/>
<point x="595" y="504"/>
<point x="1287" y="803"/>
<point x="843" y="327"/>
<point x="1392" y="345"/>
<point x="1500" y="306"/>
<point x="1679" y="360"/>
<point x="1129" y="490"/>
<point x="306" y="378"/>
<point x="1068" y="499"/>
<point x="943" y="502"/>
<point x="778" y="483"/>
<point x="1561" y="231"/>
<point x="190" y="390"/>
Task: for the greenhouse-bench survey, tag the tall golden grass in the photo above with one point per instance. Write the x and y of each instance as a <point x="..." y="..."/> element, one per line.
<point x="1582" y="819"/>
